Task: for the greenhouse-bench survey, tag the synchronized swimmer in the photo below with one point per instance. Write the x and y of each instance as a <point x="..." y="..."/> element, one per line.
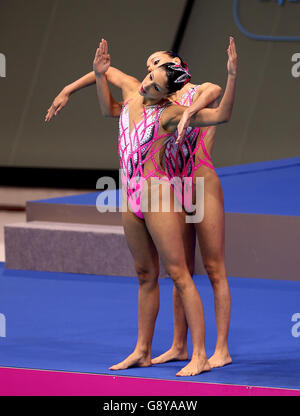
<point x="152" y="111"/>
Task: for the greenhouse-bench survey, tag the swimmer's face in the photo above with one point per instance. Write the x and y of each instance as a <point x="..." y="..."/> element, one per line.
<point x="154" y="86"/>
<point x="159" y="58"/>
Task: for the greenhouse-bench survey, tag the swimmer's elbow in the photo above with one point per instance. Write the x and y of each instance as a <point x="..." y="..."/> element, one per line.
<point x="226" y="119"/>
<point x="223" y="116"/>
<point x="113" y="111"/>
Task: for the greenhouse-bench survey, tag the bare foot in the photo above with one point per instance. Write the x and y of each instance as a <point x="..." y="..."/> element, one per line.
<point x="220" y="359"/>
<point x="173" y="354"/>
<point x="195" y="366"/>
<point x="136" y="359"/>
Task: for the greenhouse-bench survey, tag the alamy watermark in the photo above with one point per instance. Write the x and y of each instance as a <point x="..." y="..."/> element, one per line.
<point x="296" y="326"/>
<point x="2" y="65"/>
<point x="155" y="194"/>
<point x="2" y="325"/>
<point x="296" y="67"/>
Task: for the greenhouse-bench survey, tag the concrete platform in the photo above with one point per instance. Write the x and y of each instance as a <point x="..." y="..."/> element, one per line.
<point x="261" y="246"/>
<point x="69" y="248"/>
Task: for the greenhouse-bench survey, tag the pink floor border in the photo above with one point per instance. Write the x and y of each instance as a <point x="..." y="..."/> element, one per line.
<point x="27" y="382"/>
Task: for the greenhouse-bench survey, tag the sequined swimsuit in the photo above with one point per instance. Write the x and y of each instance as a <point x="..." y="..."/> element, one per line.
<point x="143" y="143"/>
<point x="136" y="148"/>
<point x="181" y="160"/>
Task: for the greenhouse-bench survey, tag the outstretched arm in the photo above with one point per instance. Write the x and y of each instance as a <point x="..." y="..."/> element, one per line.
<point x="113" y="75"/>
<point x="61" y="100"/>
<point x="208" y="116"/>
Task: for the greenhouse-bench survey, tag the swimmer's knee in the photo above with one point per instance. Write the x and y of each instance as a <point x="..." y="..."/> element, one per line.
<point x="215" y="270"/>
<point x="179" y="275"/>
<point x="147" y="274"/>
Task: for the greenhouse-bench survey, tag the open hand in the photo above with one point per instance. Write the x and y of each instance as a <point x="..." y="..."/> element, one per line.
<point x="232" y="57"/>
<point x="102" y="59"/>
<point x="58" y="104"/>
<point x="183" y="125"/>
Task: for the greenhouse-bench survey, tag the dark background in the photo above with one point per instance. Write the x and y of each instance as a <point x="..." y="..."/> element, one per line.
<point x="50" y="43"/>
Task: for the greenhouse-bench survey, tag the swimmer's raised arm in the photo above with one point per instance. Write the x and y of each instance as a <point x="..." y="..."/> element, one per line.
<point x="108" y="105"/>
<point x="126" y="83"/>
<point x="208" y="116"/>
<point x="113" y="75"/>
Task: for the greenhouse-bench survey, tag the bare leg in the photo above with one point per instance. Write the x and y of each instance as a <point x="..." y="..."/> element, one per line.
<point x="147" y="267"/>
<point x="178" y="350"/>
<point x="165" y="230"/>
<point x="210" y="234"/>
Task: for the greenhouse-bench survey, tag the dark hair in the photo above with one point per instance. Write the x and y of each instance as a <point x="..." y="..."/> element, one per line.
<point x="177" y="76"/>
<point x="173" y="54"/>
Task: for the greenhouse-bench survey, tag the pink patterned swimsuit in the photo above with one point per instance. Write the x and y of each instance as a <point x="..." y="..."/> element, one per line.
<point x="138" y="147"/>
<point x="138" y="151"/>
<point x="181" y="160"/>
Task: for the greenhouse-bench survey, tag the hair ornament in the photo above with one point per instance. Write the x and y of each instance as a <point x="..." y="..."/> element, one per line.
<point x="184" y="77"/>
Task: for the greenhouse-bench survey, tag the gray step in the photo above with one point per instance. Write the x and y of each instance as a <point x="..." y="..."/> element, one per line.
<point x="70" y="213"/>
<point x="262" y="246"/>
<point x="68" y="248"/>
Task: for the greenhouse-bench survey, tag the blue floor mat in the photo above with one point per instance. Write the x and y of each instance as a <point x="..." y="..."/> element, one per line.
<point x="86" y="323"/>
<point x="257" y="188"/>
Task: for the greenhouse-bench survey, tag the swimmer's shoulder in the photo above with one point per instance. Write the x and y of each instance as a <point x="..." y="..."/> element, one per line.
<point x="200" y="88"/>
